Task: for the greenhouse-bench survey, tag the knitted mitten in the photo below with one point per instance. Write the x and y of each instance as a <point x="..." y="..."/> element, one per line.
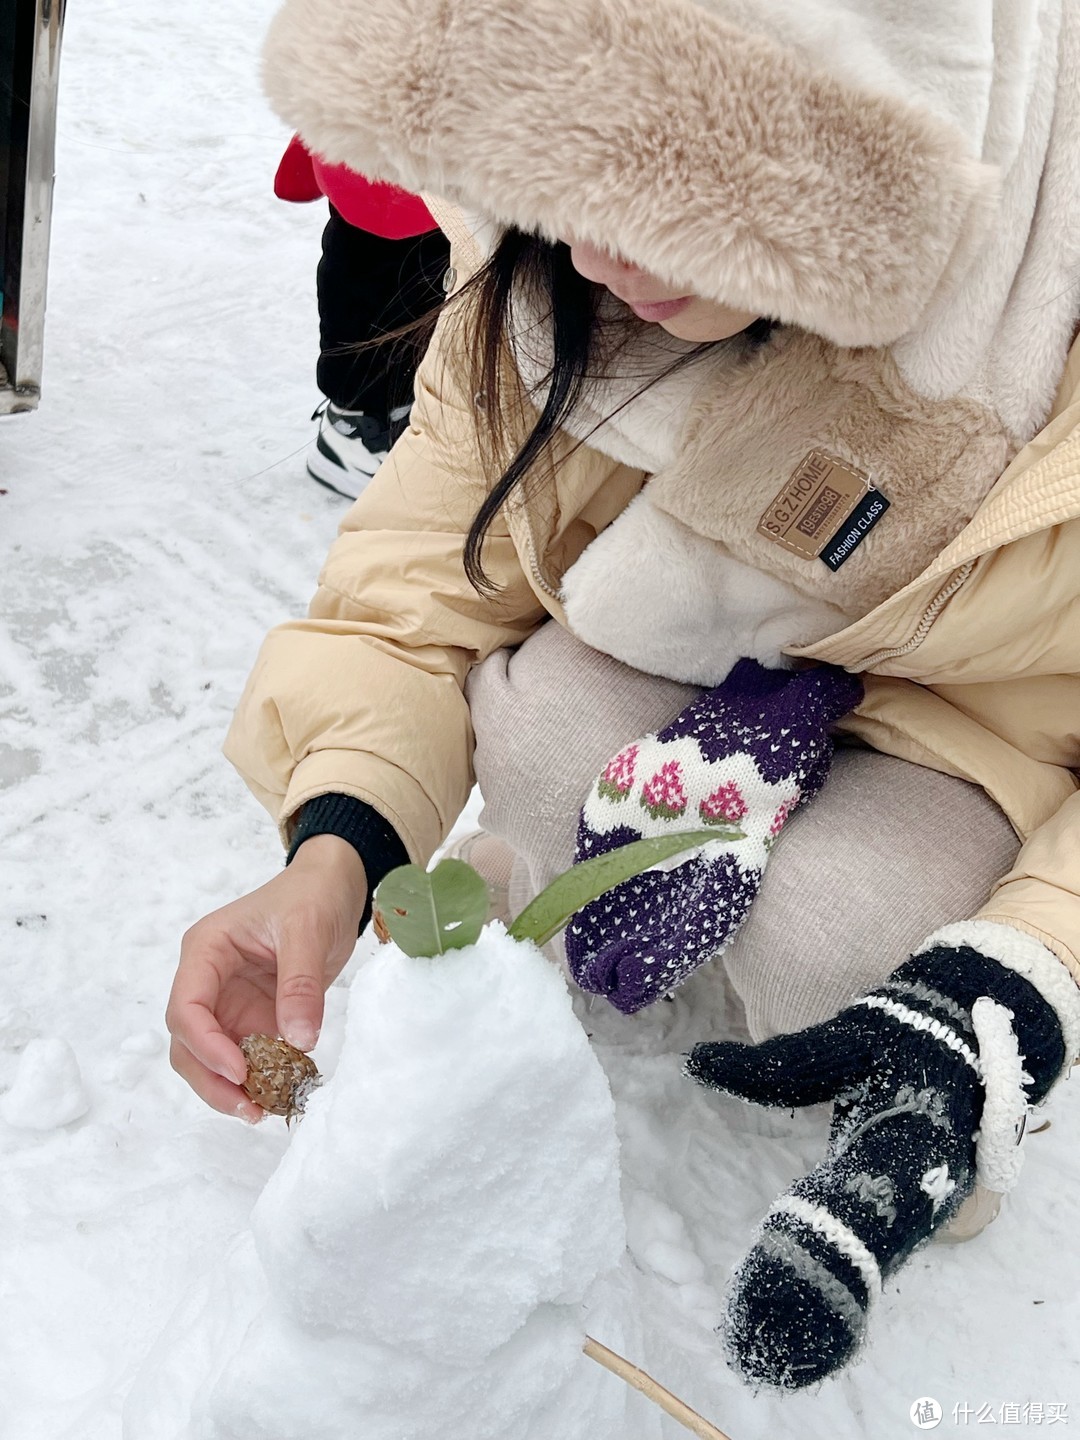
<point x="740" y="758"/>
<point x="932" y="1075"/>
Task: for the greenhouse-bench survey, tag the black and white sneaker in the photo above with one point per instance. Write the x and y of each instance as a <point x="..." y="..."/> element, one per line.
<point x="351" y="445"/>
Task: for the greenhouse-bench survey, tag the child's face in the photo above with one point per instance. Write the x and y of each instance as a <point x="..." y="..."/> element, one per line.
<point x="688" y="317"/>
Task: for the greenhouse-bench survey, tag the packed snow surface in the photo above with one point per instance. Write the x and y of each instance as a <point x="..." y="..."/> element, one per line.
<point x="157" y="521"/>
<point x="421" y="1259"/>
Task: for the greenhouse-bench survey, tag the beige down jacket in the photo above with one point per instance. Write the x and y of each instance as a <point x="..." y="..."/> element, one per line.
<point x="972" y="669"/>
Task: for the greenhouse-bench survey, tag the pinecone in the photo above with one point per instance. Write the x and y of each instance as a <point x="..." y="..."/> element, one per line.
<point x="280" y="1078"/>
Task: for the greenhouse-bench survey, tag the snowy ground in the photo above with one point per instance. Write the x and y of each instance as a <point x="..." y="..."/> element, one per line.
<point x="156" y="521"/>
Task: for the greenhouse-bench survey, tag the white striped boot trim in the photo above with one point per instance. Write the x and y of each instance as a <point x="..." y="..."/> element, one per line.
<point x="918" y="1021"/>
<point x="840" y="1236"/>
<point x="780" y="1246"/>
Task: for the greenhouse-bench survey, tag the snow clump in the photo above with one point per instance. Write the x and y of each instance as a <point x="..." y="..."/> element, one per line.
<point x="48" y="1089"/>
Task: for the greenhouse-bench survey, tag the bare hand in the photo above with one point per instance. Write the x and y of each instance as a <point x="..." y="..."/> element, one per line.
<point x="261" y="965"/>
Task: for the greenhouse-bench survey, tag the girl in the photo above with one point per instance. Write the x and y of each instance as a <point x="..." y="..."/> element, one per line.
<point x="760" y="353"/>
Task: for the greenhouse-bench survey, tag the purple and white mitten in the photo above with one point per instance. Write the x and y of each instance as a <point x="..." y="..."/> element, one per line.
<point x="741" y="757"/>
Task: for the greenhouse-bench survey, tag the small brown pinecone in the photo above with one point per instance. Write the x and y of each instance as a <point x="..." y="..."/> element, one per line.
<point x="280" y="1078"/>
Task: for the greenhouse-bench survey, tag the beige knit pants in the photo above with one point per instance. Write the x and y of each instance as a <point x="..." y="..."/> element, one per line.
<point x="886" y="853"/>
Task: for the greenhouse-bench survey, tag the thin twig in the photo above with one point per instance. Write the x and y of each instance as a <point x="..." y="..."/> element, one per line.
<point x="668" y="1402"/>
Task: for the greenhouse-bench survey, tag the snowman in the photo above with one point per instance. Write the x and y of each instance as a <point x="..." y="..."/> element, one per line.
<point x="445" y="1228"/>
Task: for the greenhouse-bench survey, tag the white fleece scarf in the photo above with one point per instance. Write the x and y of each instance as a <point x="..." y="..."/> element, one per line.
<point x="649" y="590"/>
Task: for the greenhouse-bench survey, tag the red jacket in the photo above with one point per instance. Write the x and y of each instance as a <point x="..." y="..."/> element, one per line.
<point x="368" y="204"/>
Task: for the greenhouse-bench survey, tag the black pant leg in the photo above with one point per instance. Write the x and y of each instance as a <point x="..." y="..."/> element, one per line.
<point x="367" y="287"/>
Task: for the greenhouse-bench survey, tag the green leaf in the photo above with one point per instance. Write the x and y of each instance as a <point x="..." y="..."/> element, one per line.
<point x="553" y="907"/>
<point x="428" y="913"/>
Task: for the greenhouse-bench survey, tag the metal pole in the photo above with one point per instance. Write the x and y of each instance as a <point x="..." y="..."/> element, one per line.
<point x="30" y="178"/>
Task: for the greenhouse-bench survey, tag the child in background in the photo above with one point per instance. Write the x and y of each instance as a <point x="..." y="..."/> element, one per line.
<point x="382" y="267"/>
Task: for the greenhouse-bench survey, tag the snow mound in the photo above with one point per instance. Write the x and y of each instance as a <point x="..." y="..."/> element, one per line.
<point x="48" y="1089"/>
<point x="421" y="1260"/>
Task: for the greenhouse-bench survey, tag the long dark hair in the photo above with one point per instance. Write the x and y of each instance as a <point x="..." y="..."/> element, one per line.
<point x="584" y="340"/>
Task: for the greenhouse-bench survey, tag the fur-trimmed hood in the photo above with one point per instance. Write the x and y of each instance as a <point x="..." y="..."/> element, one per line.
<point x="767" y="179"/>
<point x="897" y="181"/>
<point x="868" y="171"/>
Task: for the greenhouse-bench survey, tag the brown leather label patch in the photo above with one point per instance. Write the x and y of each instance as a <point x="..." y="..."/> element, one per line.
<point x="814" y="504"/>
